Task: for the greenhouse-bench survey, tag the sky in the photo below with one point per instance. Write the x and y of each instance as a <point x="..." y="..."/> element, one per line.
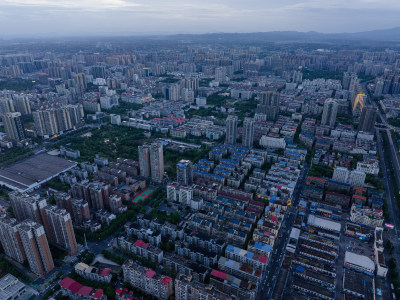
<point x="132" y="17"/>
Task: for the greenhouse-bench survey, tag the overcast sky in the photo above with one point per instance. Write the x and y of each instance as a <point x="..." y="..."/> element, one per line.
<point x="82" y="17"/>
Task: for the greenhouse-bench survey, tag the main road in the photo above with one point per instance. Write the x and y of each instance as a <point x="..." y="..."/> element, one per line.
<point x="393" y="235"/>
<point x="278" y="253"/>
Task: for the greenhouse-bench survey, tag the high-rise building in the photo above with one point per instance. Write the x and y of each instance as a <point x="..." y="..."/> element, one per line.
<point x="248" y="133"/>
<point x="14" y="126"/>
<point x="171" y="92"/>
<point x="231" y="130"/>
<point x="45" y="122"/>
<point x="11" y="240"/>
<point x="157" y="161"/>
<point x="36" y="247"/>
<point x="98" y="72"/>
<point x="358" y="105"/>
<point x="367" y="119"/>
<point x="269" y="105"/>
<point x="151" y="161"/>
<point x="63" y="119"/>
<point x="80" y="210"/>
<point x="184" y="172"/>
<point x="33" y="208"/>
<point x="80" y="82"/>
<point x="6" y="106"/>
<point x="144" y="160"/>
<point x="22" y="104"/>
<point x="53" y="121"/>
<point x="329" y="113"/>
<point x="220" y="75"/>
<point x="29" y="207"/>
<point x="63" y="232"/>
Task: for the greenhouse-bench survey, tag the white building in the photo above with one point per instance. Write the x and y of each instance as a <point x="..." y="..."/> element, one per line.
<point x="369" y="166"/>
<point x="182" y="194"/>
<point x="341" y="174"/>
<point x="359" y="263"/>
<point x="115" y="119"/>
<point x="357" y="178"/>
<point x="272" y="142"/>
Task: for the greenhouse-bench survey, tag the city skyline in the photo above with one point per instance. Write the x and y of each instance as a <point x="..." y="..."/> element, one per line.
<point x="126" y="17"/>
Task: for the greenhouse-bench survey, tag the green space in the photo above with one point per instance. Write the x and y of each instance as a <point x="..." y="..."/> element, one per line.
<point x="170" y="80"/>
<point x="56" y="184"/>
<point x="124" y="107"/>
<point x="321" y="171"/>
<point x="394" y="122"/>
<point x="118" y="223"/>
<point x="205" y="82"/>
<point x="314" y="74"/>
<point x="171" y="158"/>
<point x="216" y="99"/>
<point x="246" y="106"/>
<point x="143" y="195"/>
<point x="205" y="112"/>
<point x="7" y="268"/>
<point x="9" y="156"/>
<point x="17" y="84"/>
<point x="109" y="141"/>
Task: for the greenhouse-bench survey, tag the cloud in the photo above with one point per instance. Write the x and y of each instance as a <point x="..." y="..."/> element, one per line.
<point x="96" y="16"/>
<point x="72" y="4"/>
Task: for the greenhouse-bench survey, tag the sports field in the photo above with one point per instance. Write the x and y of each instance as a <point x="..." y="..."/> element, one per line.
<point x="143" y="195"/>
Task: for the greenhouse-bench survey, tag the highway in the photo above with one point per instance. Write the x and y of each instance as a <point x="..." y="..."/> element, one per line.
<point x="393" y="235"/>
<point x="278" y="253"/>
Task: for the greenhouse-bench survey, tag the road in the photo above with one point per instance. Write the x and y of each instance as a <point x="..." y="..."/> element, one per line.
<point x="393" y="235"/>
<point x="276" y="258"/>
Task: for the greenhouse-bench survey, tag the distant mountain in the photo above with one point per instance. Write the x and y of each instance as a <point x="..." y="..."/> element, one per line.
<point x="388" y="35"/>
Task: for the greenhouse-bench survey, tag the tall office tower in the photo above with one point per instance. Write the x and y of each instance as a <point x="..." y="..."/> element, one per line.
<point x="157" y="161"/>
<point x="248" y="133"/>
<point x="22" y="104"/>
<point x="14" y="126"/>
<point x="144" y="160"/>
<point x="231" y="130"/>
<point x="36" y="247"/>
<point x="63" y="232"/>
<point x="367" y="119"/>
<point x="80" y="82"/>
<point x="269" y="105"/>
<point x="184" y="172"/>
<point x="11" y="240"/>
<point x="329" y="113"/>
<point x="358" y="105"/>
<point x="45" y="122"/>
<point x="220" y="75"/>
<point x="6" y="106"/>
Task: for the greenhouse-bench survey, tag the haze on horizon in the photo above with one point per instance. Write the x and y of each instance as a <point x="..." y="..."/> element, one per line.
<point x="124" y="17"/>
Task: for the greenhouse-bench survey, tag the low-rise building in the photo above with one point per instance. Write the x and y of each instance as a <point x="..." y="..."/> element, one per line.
<point x="147" y="280"/>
